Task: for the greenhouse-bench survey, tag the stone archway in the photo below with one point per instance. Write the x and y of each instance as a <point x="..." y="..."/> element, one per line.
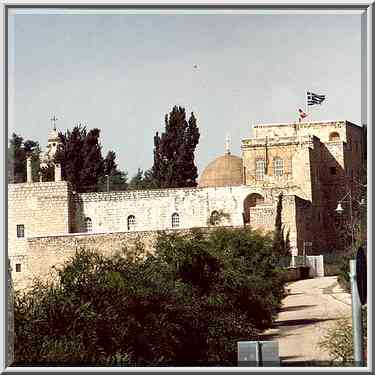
<point x="251" y="200"/>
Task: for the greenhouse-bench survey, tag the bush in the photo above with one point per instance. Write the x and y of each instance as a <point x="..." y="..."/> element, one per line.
<point x="333" y="263"/>
<point x="188" y="304"/>
<point x="338" y="340"/>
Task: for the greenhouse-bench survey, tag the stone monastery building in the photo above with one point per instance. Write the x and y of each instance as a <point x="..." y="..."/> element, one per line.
<point x="312" y="163"/>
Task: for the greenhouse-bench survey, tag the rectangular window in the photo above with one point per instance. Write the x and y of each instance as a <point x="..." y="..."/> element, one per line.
<point x="333" y="170"/>
<point x="18" y="267"/>
<point x="20" y="231"/>
<point x="260" y="169"/>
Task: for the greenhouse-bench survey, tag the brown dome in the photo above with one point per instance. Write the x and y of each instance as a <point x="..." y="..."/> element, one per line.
<point x="225" y="170"/>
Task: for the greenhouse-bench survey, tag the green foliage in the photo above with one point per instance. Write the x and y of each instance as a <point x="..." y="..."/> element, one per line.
<point x="187" y="304"/>
<point x="112" y="178"/>
<point x="81" y="159"/>
<point x="18" y="150"/>
<point x="174" y="151"/>
<point x="338" y="340"/>
<point x="142" y="180"/>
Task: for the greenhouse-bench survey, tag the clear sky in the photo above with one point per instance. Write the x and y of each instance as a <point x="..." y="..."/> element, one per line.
<point x="123" y="72"/>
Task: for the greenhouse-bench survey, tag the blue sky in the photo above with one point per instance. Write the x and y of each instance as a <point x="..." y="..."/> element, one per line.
<point x="123" y="72"/>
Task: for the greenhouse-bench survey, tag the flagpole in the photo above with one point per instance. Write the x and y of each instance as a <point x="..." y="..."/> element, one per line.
<point x="306" y="102"/>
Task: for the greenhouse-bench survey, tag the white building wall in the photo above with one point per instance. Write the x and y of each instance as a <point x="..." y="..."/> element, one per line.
<point x="153" y="209"/>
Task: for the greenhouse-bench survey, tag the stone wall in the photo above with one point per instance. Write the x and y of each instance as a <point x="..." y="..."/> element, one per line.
<point x="153" y="209"/>
<point x="42" y="208"/>
<point x="48" y="253"/>
<point x="320" y="129"/>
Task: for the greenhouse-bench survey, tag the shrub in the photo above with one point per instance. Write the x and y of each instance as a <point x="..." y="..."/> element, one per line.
<point x="187" y="304"/>
<point x="338" y="340"/>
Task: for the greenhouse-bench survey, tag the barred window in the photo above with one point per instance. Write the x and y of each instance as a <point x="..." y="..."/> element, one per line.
<point x="18" y="267"/>
<point x="278" y="166"/>
<point x="175" y="220"/>
<point x="88" y="224"/>
<point x="260" y="169"/>
<point x="20" y="230"/>
<point x="131" y="222"/>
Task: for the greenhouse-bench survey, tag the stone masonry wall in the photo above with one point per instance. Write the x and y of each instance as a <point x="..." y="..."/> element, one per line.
<point x="320" y="129"/>
<point x="48" y="253"/>
<point x="153" y="209"/>
<point x="42" y="208"/>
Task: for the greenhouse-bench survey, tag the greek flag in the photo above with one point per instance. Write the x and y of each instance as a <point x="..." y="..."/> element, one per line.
<point x="314" y="98"/>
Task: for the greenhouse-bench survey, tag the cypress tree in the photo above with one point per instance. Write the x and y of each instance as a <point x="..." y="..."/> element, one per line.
<point x="174" y="164"/>
<point x="93" y="165"/>
<point x="281" y="241"/>
<point x="82" y="161"/>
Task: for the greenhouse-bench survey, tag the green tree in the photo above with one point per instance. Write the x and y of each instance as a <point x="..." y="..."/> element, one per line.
<point x="186" y="304"/>
<point x="142" y="180"/>
<point x="117" y="179"/>
<point x="281" y="238"/>
<point x="136" y="182"/>
<point x="18" y="150"/>
<point x="81" y="159"/>
<point x="174" y="164"/>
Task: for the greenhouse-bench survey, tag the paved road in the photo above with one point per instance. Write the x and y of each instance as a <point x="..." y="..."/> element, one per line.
<point x="311" y="306"/>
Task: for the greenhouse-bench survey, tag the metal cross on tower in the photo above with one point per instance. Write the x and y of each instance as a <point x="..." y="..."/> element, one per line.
<point x="54" y="119"/>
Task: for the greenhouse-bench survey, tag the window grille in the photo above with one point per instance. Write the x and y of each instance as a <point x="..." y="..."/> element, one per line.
<point x="88" y="224"/>
<point x="18" y="267"/>
<point x="278" y="167"/>
<point x="20" y="230"/>
<point x="131" y="222"/>
<point x="175" y="220"/>
<point x="260" y="169"/>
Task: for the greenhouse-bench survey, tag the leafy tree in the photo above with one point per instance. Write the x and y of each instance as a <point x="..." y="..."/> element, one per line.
<point x="136" y="181"/>
<point x="117" y="179"/>
<point x="82" y="161"/>
<point x="186" y="304"/>
<point x="142" y="180"/>
<point x="18" y="150"/>
<point x="174" y="151"/>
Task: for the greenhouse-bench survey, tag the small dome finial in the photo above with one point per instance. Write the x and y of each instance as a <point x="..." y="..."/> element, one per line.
<point x="227" y="144"/>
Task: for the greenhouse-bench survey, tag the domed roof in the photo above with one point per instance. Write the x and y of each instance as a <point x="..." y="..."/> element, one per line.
<point x="226" y="170"/>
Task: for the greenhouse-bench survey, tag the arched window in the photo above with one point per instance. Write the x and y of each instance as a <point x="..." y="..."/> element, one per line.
<point x="88" y="225"/>
<point x="131" y="222"/>
<point x="334" y="136"/>
<point x="215" y="218"/>
<point x="260" y="169"/>
<point x="175" y="220"/>
<point x="278" y="167"/>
